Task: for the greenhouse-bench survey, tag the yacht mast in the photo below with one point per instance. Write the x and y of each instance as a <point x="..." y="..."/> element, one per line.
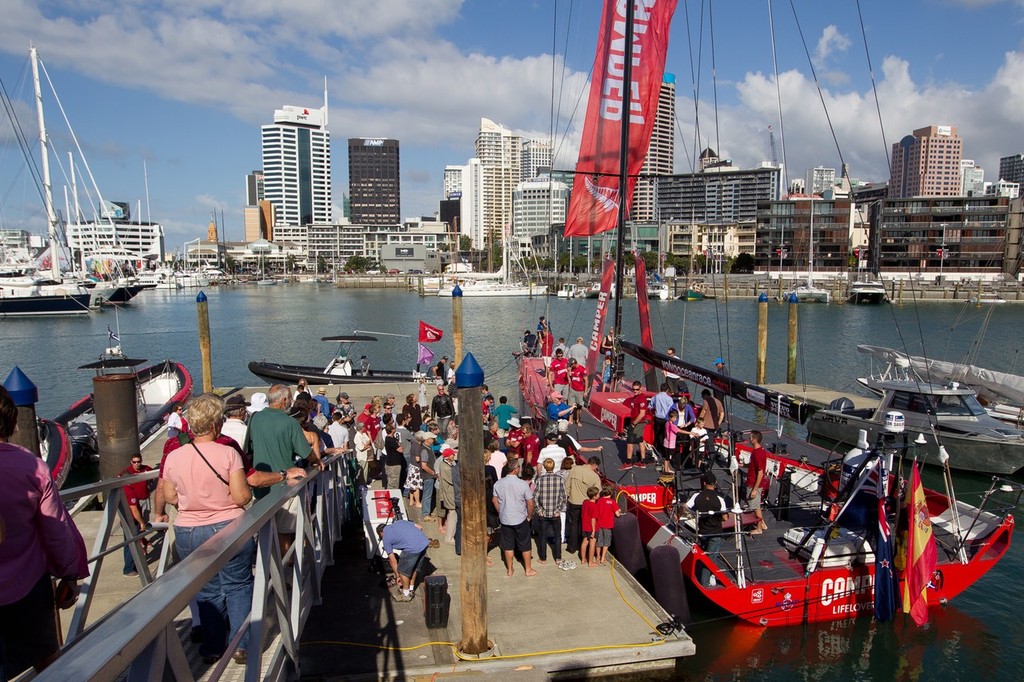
<point x="51" y="214"/>
<point x="627" y="90"/>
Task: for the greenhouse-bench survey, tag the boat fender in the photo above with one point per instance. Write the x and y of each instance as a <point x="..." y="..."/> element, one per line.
<point x="669" y="588"/>
<point x="626" y="544"/>
<point x="854" y="458"/>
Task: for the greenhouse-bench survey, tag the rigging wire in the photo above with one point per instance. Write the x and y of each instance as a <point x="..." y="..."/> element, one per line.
<point x="778" y="98"/>
<point x="874" y="89"/>
<point x="817" y="84"/>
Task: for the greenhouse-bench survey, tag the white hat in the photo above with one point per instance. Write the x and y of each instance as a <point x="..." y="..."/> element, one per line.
<point x="514" y="422"/>
<point x="257" y="402"/>
<point x="563" y="425"/>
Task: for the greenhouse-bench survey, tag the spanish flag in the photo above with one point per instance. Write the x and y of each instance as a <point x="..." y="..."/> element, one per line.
<point x="921" y="553"/>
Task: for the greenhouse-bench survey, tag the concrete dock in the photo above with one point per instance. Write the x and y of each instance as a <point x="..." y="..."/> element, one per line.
<point x="582" y="622"/>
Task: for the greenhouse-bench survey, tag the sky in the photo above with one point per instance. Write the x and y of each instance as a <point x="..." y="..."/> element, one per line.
<point x="172" y="93"/>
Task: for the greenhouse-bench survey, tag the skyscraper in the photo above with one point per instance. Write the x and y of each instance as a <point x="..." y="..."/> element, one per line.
<point x="660" y="160"/>
<point x="819" y="179"/>
<point x="534" y="159"/>
<point x="972" y="178"/>
<point x="499" y="153"/>
<point x="297" y="166"/>
<point x="1011" y="168"/>
<point x="927" y="163"/>
<point x="374" y="185"/>
<point x="466" y="184"/>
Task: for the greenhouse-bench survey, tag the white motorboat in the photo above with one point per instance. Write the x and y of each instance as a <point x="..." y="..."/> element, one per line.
<point x="867" y="292"/>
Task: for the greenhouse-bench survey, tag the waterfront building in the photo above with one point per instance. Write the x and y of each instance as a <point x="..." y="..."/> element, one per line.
<point x="927" y="163"/>
<point x="138" y="240"/>
<point x="660" y="159"/>
<point x="374" y="181"/>
<point x="785" y="230"/>
<point x="1011" y="168"/>
<point x="719" y="194"/>
<point x="941" y="236"/>
<point x="297" y="166"/>
<point x="972" y="178"/>
<point x="537" y="205"/>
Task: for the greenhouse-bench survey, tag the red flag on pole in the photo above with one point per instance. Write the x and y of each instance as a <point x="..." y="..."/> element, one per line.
<point x="593" y="207"/>
<point x="429" y="334"/>
<point x="921" y="552"/>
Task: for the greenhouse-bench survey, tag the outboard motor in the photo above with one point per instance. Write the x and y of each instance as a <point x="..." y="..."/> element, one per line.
<point x="843" y="404"/>
<point x="84" y="447"/>
<point x="858" y="511"/>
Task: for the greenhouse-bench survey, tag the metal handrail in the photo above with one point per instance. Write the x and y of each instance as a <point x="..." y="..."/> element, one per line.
<point x="140" y="635"/>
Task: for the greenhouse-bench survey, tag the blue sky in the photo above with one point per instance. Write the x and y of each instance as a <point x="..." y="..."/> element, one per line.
<point x="185" y="84"/>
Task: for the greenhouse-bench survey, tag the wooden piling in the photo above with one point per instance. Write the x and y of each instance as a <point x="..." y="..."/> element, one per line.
<point x="791" y="342"/>
<point x="457" y="323"/>
<point x="203" y="311"/>
<point x="762" y="338"/>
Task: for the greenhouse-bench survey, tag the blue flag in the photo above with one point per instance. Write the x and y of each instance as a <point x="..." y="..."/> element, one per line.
<point x="885" y="582"/>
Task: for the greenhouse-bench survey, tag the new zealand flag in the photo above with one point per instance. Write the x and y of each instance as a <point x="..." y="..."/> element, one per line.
<point x="885" y="582"/>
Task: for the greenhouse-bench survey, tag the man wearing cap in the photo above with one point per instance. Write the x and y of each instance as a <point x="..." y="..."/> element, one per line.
<point x="441" y="371"/>
<point x="671" y="378"/>
<point x="710" y="509"/>
<point x="552" y="450"/>
<point x="324" y="406"/>
<point x="721" y="369"/>
<point x="557" y="407"/>
<point x="442" y="408"/>
<point x="348" y="411"/>
<point x="234" y="423"/>
<point x="513" y="498"/>
<point x="558" y="372"/>
<point x="514" y="439"/>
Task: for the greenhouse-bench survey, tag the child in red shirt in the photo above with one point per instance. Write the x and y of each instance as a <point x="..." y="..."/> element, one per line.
<point x="607" y="510"/>
<point x="589" y="517"/>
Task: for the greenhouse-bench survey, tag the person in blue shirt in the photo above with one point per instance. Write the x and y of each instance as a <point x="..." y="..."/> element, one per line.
<point x="557" y="407"/>
<point x="409" y="538"/>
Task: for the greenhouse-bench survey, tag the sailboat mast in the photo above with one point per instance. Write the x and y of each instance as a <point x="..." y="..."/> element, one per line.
<point x="51" y="214"/>
<point x="810" y="248"/>
<point x="620" y="242"/>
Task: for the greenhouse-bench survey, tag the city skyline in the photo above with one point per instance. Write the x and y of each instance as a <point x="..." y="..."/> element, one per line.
<point x="185" y="89"/>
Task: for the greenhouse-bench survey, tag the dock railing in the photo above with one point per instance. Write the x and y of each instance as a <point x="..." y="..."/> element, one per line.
<point x="141" y="636"/>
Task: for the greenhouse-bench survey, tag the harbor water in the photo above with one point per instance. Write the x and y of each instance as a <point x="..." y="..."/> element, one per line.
<point x="976" y="637"/>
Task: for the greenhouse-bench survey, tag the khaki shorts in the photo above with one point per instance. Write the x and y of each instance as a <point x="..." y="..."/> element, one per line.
<point x="288" y="515"/>
<point x="755" y="501"/>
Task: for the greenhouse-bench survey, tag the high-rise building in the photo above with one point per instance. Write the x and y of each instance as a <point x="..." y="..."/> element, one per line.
<point x="537" y="204"/>
<point x="297" y="166"/>
<point x="466" y="184"/>
<point x="927" y="164"/>
<point x="972" y="178"/>
<point x="1011" y="168"/>
<point x="254" y="192"/>
<point x="374" y="181"/>
<point x="721" y="194"/>
<point x="534" y="159"/>
<point x="819" y="179"/>
<point x="499" y="152"/>
<point x="660" y="159"/>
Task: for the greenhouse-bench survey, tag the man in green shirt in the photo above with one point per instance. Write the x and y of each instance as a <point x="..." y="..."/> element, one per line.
<point x="275" y="441"/>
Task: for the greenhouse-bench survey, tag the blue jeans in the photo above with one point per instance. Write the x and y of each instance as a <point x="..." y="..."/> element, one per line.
<point x="713" y="548"/>
<point x="428" y="494"/>
<point x="225" y="600"/>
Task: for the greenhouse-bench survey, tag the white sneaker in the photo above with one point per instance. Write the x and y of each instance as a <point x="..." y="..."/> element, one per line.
<point x="712" y="582"/>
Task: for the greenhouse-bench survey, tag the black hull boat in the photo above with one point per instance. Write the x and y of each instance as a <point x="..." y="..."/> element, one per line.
<point x="160" y="386"/>
<point x="340" y="370"/>
<point x="25" y="306"/>
<point x="125" y="294"/>
<point x="277" y="373"/>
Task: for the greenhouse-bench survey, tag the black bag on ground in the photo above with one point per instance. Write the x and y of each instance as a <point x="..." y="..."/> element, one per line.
<point x="436" y="601"/>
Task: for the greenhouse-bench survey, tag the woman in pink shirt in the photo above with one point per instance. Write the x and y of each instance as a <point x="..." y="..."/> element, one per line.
<point x="206" y="480"/>
<point x="38" y="542"/>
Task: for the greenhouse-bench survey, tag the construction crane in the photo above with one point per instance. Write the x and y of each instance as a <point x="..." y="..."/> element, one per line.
<point x="771" y="139"/>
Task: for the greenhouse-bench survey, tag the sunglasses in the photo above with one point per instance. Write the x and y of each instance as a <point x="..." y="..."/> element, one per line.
<point x="637" y="390"/>
<point x="136" y="461"/>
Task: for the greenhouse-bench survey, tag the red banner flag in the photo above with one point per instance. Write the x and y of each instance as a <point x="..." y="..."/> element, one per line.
<point x="429" y="334"/>
<point x="594" y="356"/>
<point x="593" y="207"/>
<point x="644" y="308"/>
<point x="921" y="552"/>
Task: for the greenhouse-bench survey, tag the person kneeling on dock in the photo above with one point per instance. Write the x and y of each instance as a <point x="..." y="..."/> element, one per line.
<point x="408" y="538"/>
